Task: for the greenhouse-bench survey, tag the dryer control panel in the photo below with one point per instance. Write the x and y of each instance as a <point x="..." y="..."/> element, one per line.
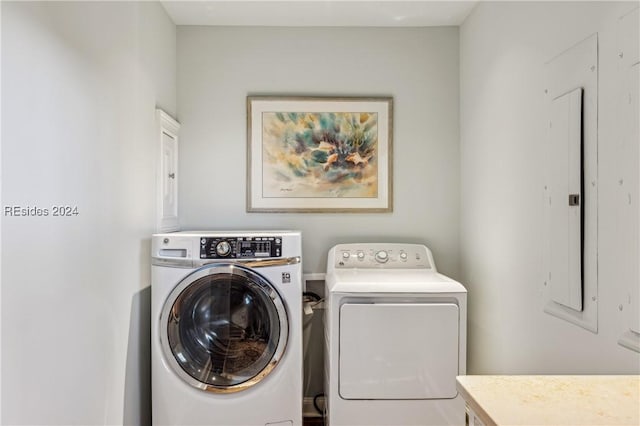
<point x="383" y="256"/>
<point x="240" y="247"/>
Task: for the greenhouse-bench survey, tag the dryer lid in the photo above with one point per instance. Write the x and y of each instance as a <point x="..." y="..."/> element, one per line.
<point x="391" y="281"/>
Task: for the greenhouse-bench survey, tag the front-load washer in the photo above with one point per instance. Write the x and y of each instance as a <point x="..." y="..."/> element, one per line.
<point x="395" y="337"/>
<point x="226" y="333"/>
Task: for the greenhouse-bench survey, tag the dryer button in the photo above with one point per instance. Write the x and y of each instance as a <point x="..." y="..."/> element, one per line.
<point x="382" y="256"/>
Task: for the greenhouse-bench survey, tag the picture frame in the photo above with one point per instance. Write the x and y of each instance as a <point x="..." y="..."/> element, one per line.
<point x="319" y="154"/>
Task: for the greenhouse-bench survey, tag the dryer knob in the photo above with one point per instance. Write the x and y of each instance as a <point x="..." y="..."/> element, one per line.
<point x="382" y="256"/>
<point x="223" y="248"/>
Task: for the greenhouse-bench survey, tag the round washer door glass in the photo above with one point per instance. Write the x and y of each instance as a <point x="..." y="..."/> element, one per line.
<point x="226" y="328"/>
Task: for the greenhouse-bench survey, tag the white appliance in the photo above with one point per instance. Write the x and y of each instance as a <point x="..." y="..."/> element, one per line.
<point x="226" y="315"/>
<point x="395" y="338"/>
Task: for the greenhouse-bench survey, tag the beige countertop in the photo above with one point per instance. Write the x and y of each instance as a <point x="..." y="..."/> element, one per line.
<point x="553" y="400"/>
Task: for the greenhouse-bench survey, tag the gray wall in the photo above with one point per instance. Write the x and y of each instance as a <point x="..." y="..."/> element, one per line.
<point x="503" y="120"/>
<point x="80" y="84"/>
<point x="219" y="66"/>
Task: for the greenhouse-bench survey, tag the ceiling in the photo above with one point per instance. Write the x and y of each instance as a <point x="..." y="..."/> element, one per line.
<point x="314" y="13"/>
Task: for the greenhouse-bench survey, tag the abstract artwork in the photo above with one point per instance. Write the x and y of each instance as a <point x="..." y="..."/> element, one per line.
<point x="319" y="154"/>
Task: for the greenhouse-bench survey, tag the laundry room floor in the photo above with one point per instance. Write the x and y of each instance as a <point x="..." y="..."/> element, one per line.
<point x="313" y="421"/>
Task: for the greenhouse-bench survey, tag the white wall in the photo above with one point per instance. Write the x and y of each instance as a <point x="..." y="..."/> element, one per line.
<point x="80" y="84"/>
<point x="219" y="66"/>
<point x="503" y="119"/>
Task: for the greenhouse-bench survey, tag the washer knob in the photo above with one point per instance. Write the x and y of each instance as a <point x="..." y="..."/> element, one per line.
<point x="382" y="256"/>
<point x="403" y="256"/>
<point x="360" y="255"/>
<point x="345" y="255"/>
<point x="223" y="248"/>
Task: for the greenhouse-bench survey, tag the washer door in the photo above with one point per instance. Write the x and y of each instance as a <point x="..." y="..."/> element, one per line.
<point x="226" y="328"/>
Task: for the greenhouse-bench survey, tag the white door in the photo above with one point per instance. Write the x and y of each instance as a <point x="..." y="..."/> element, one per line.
<point x="398" y="350"/>
<point x="169" y="176"/>
<point x="566" y="199"/>
<point x="634" y="135"/>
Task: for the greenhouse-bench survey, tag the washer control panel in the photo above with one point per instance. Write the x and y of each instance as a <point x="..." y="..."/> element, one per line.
<point x="240" y="247"/>
<point x="385" y="256"/>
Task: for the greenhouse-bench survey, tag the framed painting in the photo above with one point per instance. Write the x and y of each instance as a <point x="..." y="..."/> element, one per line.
<point x="313" y="154"/>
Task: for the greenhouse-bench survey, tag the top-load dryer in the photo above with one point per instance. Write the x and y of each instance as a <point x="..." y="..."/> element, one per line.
<point x="395" y="337"/>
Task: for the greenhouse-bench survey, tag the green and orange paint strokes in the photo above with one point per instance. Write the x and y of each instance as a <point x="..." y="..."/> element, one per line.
<point x="320" y="154"/>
